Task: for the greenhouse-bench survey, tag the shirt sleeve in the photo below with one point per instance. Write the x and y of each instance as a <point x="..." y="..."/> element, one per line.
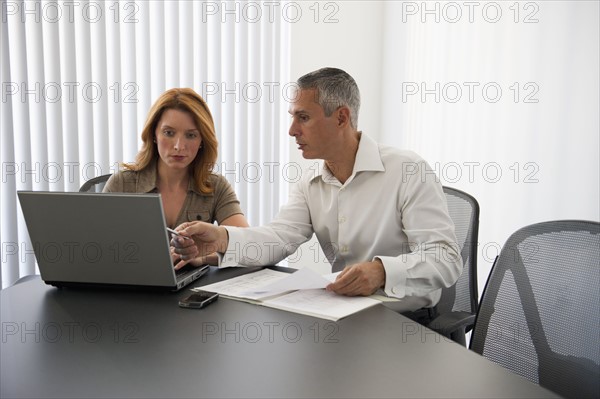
<point x="124" y="181"/>
<point x="269" y="244"/>
<point x="226" y="201"/>
<point x="433" y="259"/>
<point x="114" y="184"/>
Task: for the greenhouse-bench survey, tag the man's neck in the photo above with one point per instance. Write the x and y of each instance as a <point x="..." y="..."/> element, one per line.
<point x="342" y="166"/>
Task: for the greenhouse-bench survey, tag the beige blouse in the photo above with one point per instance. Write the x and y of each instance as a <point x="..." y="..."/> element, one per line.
<point x="217" y="206"/>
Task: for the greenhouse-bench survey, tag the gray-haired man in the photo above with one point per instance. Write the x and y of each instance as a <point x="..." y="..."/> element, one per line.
<point x="378" y="212"/>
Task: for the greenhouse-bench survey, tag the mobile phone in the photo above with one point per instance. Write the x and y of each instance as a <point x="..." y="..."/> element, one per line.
<point x="198" y="300"/>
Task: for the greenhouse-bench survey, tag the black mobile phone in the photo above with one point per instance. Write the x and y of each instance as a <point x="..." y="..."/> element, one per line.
<point x="198" y="300"/>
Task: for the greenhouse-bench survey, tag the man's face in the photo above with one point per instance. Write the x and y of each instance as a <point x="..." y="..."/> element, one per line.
<point x="317" y="135"/>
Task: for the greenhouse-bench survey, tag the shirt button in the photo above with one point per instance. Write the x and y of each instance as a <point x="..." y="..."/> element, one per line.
<point x="342" y="219"/>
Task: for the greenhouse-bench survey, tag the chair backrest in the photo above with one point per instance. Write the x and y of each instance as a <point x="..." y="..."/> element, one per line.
<point x="464" y="211"/>
<point x="95" y="184"/>
<point x="539" y="314"/>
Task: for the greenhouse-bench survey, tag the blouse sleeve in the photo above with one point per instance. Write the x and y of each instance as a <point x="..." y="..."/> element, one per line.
<point x="114" y="184"/>
<point x="226" y="201"/>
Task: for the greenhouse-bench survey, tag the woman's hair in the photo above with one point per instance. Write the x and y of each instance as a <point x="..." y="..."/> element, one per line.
<point x="186" y="100"/>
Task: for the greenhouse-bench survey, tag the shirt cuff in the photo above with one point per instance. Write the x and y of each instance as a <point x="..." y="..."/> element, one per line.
<point x="395" y="276"/>
<point x="219" y="259"/>
<point x="230" y="257"/>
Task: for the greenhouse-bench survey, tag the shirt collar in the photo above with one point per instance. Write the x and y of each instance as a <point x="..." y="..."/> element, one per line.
<point x="367" y="158"/>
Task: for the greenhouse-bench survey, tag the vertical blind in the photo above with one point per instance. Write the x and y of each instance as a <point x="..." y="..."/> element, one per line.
<point x="78" y="79"/>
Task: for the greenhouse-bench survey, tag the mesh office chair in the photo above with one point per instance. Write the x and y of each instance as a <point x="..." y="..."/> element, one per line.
<point x="539" y="314"/>
<point x="95" y="184"/>
<point x="458" y="304"/>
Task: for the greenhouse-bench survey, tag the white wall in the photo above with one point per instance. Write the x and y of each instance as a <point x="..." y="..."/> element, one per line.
<point x="351" y="39"/>
<point x="346" y="35"/>
<point x="547" y="151"/>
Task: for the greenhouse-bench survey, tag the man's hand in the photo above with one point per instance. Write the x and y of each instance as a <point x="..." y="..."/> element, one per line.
<point x="359" y="279"/>
<point x="198" y="239"/>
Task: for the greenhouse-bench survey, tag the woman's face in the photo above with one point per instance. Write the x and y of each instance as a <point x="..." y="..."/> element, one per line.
<point x="177" y="138"/>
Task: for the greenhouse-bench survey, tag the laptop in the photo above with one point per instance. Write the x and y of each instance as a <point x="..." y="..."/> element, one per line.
<point x="95" y="239"/>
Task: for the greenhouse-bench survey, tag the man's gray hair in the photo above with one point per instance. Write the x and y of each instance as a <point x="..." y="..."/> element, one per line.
<point x="335" y="88"/>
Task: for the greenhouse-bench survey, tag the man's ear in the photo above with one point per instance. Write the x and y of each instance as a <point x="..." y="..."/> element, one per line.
<point x="343" y="116"/>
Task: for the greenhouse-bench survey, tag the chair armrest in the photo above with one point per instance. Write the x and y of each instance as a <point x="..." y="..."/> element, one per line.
<point x="26" y="278"/>
<point x="453" y="324"/>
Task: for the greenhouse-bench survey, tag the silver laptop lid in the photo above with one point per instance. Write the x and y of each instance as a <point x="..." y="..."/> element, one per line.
<point x="99" y="238"/>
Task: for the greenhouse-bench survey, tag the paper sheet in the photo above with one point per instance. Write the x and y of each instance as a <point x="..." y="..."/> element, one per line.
<point x="300" y="292"/>
<point x="245" y="286"/>
<point x="321" y="303"/>
<point x="302" y="279"/>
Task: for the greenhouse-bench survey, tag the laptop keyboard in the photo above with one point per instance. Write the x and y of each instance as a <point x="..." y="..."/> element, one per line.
<point x="185" y="271"/>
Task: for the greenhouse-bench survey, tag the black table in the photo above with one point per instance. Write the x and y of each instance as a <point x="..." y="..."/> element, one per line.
<point x="123" y="343"/>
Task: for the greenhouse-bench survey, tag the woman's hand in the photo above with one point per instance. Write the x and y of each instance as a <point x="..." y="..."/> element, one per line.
<point x="178" y="263"/>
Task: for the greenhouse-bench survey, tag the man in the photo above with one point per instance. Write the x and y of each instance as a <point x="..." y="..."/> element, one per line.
<point x="379" y="213"/>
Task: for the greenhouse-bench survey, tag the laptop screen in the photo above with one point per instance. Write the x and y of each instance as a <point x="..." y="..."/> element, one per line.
<point x="110" y="238"/>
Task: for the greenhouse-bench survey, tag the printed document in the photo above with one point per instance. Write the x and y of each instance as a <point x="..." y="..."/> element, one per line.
<point x="303" y="279"/>
<point x="300" y="292"/>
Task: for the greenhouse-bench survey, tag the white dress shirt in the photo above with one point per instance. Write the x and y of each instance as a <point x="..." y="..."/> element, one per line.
<point x="392" y="208"/>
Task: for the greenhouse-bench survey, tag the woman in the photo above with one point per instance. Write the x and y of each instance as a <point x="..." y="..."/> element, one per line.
<point x="176" y="160"/>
